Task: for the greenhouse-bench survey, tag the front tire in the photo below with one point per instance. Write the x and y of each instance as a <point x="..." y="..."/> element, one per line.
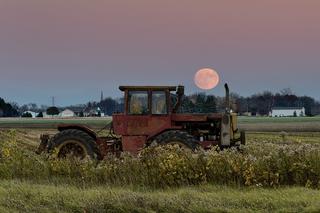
<point x="73" y="143"/>
<point x="176" y="137"/>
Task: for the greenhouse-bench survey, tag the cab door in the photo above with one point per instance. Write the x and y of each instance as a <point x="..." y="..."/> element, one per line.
<point x="137" y="112"/>
<point x="146" y="113"/>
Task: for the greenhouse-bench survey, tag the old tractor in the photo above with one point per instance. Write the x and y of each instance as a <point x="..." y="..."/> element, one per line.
<point x="151" y="117"/>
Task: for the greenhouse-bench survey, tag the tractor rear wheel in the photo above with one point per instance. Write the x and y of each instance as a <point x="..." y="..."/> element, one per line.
<point x="176" y="137"/>
<point x="73" y="143"/>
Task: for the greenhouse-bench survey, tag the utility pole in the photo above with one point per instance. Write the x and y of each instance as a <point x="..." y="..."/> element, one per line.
<point x="53" y="100"/>
<point x="101" y="98"/>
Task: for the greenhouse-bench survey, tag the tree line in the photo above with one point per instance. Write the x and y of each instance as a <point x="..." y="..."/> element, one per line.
<point x="7" y="110"/>
<point x="262" y="103"/>
<point x="256" y="104"/>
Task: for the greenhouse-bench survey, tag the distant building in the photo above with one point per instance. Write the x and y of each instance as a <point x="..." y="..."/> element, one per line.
<point x="93" y="112"/>
<point x="45" y="115"/>
<point x="288" y="112"/>
<point x="247" y="114"/>
<point x="78" y="110"/>
<point x="67" y="113"/>
<point x="33" y="114"/>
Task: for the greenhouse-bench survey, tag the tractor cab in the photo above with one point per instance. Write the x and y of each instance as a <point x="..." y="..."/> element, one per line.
<point x="147" y="112"/>
<point x="151" y="100"/>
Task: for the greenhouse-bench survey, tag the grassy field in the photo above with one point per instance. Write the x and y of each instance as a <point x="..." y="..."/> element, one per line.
<point x="253" y="124"/>
<point x="19" y="196"/>
<point x="277" y="172"/>
<point x="290" y="124"/>
<point x="40" y="123"/>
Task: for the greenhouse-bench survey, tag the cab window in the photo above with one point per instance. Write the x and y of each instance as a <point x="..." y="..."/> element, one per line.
<point x="138" y="102"/>
<point x="159" y="103"/>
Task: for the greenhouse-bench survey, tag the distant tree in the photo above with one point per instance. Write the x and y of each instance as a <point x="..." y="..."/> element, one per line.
<point x="108" y="106"/>
<point x="7" y="110"/>
<point x="294" y="114"/>
<point x="23" y="108"/>
<point x="286" y="91"/>
<point x="187" y="106"/>
<point x="40" y="115"/>
<point x="242" y="104"/>
<point x="26" y="115"/>
<point x="210" y="105"/>
<point x="308" y="103"/>
<point x="81" y="114"/>
<point x="200" y="103"/>
<point x="15" y="106"/>
<point x="315" y="110"/>
<point x="52" y="111"/>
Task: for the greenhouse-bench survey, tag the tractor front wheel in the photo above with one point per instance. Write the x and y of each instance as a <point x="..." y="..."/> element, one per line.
<point x="73" y="143"/>
<point x="176" y="137"/>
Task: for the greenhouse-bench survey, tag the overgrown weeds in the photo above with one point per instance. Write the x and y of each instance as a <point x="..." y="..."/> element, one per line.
<point x="257" y="164"/>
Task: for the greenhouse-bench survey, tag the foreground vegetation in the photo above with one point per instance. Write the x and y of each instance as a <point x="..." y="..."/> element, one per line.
<point x="264" y="163"/>
<point x="274" y="172"/>
<point x="20" y="196"/>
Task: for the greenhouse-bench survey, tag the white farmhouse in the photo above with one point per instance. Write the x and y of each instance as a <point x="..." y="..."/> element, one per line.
<point x="67" y="113"/>
<point x="33" y="114"/>
<point x="288" y="112"/>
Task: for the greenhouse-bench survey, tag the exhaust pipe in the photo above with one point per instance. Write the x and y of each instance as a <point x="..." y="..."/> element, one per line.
<point x="180" y="94"/>
<point x="227" y="98"/>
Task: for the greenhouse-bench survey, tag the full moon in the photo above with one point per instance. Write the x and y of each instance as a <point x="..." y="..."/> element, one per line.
<point x="206" y="78"/>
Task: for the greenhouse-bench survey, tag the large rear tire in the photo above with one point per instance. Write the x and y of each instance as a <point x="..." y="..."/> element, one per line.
<point x="73" y="143"/>
<point x="176" y="137"/>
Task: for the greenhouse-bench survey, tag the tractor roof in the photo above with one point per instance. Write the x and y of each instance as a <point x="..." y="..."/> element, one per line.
<point x="159" y="88"/>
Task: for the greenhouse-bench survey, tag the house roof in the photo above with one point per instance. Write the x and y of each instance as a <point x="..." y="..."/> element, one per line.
<point x="67" y="110"/>
<point x="287" y="108"/>
<point x="76" y="109"/>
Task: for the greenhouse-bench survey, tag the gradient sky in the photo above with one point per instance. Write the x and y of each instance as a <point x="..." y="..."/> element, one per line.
<point x="73" y="49"/>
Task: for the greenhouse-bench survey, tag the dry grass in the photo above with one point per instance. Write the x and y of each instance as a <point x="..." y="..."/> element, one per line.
<point x="20" y="196"/>
<point x="164" y="180"/>
<point x="264" y="162"/>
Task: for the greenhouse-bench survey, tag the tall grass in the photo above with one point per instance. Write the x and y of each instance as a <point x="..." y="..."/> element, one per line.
<point x="257" y="164"/>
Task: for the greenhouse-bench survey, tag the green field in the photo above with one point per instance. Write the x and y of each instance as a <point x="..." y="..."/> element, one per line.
<point x="39" y="123"/>
<point x="296" y="120"/>
<point x="253" y="124"/>
<point x="290" y="124"/>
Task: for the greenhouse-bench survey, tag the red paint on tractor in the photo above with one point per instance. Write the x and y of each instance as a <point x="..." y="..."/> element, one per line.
<point x="133" y="144"/>
<point x="148" y="125"/>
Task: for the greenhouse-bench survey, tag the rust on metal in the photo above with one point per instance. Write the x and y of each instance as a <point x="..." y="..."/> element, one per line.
<point x="44" y="140"/>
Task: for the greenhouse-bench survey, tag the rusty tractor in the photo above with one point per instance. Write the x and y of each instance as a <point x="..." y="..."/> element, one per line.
<point x="150" y="118"/>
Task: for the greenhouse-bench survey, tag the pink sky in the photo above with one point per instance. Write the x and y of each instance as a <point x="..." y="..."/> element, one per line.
<point x="72" y="49"/>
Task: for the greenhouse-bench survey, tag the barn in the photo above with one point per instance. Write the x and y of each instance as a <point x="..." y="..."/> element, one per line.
<point x="67" y="113"/>
<point x="288" y="112"/>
